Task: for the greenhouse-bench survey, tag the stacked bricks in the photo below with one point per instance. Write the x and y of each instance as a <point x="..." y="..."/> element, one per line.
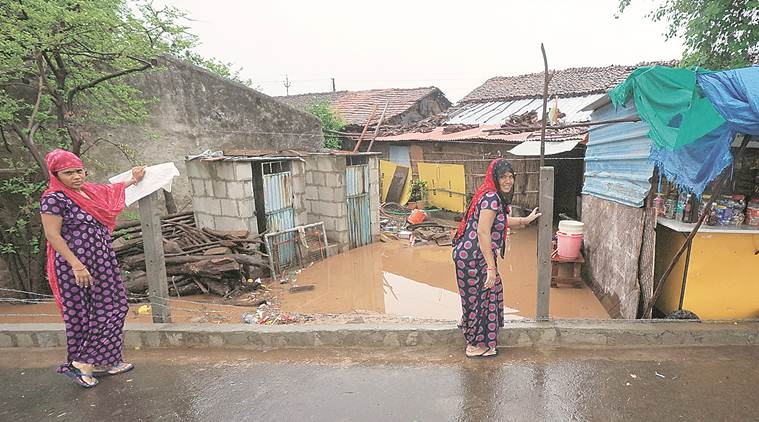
<point x="222" y="194"/>
<point x="326" y="196"/>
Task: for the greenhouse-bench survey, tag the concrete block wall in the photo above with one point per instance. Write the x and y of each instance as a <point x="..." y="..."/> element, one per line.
<point x="374" y="196"/>
<point x="325" y="195"/>
<point x="300" y="204"/>
<point x="222" y="194"/>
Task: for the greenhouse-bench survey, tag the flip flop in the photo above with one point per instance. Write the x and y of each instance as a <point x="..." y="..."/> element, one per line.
<point x="78" y="376"/>
<point x="118" y="370"/>
<point x="490" y="352"/>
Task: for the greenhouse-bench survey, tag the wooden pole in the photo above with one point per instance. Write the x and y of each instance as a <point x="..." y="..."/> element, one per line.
<point x="719" y="186"/>
<point x="363" y="132"/>
<point x="545" y="234"/>
<point x="544" y="117"/>
<point x="155" y="264"/>
<point x="379" y="123"/>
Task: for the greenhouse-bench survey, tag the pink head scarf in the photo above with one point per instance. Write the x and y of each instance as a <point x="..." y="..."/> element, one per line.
<point x="102" y="202"/>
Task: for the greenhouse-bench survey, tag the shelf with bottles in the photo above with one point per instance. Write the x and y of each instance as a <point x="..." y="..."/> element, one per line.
<point x="740" y="207"/>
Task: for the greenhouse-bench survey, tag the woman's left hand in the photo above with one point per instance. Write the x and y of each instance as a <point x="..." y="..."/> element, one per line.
<point x="533" y="215"/>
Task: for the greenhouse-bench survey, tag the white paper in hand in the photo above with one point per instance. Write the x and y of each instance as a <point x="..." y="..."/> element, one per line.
<point x="156" y="177"/>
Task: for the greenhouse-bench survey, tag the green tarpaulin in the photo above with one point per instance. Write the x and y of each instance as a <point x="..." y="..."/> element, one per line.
<point x="671" y="102"/>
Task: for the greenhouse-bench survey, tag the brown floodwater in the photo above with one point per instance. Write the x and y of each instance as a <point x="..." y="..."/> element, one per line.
<point x="419" y="282"/>
<point x="384" y="278"/>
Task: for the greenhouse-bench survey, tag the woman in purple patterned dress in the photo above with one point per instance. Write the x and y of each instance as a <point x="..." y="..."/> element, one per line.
<point x="480" y="234"/>
<point x="82" y="268"/>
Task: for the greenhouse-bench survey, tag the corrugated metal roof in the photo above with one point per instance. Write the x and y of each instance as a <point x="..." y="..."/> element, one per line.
<point x="532" y="148"/>
<point x="496" y="112"/>
<point x="617" y="164"/>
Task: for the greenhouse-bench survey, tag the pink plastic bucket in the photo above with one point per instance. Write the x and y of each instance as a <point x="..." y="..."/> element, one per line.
<point x="568" y="245"/>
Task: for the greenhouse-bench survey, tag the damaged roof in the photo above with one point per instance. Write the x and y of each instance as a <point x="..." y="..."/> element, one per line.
<point x="483" y="133"/>
<point x="355" y="107"/>
<point x="572" y="82"/>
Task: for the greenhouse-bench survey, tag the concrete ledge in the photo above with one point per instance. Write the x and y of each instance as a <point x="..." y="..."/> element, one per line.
<point x="565" y="334"/>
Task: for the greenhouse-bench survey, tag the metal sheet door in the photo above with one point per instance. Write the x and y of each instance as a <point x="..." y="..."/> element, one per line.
<point x="359" y="216"/>
<point x="278" y="206"/>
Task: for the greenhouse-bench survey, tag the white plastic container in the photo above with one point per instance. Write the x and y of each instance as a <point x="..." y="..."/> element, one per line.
<point x="571" y="227"/>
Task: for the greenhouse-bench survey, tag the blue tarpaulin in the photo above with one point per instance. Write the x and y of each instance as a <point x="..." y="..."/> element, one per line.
<point x="735" y="95"/>
<point x="692" y="165"/>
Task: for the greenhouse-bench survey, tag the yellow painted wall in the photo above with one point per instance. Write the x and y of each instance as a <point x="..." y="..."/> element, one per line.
<point x="387" y="170"/>
<point x="723" y="274"/>
<point x="446" y="185"/>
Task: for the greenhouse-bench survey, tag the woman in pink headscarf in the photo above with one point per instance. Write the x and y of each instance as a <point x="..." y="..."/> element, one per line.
<point x="84" y="275"/>
<point x="481" y="233"/>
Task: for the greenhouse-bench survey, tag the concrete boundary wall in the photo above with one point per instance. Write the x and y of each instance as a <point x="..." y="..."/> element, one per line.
<point x="564" y="334"/>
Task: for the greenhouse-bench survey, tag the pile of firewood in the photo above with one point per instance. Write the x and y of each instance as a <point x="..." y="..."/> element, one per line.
<point x="197" y="260"/>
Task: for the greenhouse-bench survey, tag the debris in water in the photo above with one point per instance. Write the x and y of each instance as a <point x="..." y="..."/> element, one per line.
<point x="633" y="376"/>
<point x="627" y="384"/>
<point x="659" y="375"/>
<point x="268" y="315"/>
<point x="301" y="288"/>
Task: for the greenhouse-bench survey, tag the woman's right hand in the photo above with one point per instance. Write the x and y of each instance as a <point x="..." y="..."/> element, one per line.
<point x="82" y="276"/>
<point x="490" y="281"/>
<point x="138" y="173"/>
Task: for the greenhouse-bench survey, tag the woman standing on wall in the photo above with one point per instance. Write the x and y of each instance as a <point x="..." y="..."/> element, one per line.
<point x="480" y="234"/>
<point x="84" y="276"/>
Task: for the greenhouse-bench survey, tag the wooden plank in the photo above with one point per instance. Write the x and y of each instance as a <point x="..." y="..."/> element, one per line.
<point x="397" y="184"/>
<point x="155" y="264"/>
<point x="545" y="235"/>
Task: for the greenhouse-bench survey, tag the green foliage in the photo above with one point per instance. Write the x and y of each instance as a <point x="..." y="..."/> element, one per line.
<point x="330" y="121"/>
<point x="63" y="69"/>
<point x="418" y="190"/>
<point x="717" y="34"/>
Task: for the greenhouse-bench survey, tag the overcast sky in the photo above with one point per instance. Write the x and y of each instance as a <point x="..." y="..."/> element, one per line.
<point x="454" y="45"/>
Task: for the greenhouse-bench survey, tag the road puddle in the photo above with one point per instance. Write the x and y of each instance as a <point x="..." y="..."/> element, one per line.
<point x="419" y="282"/>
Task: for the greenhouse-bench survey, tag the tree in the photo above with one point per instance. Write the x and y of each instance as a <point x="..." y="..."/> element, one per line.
<point x="330" y="121"/>
<point x="63" y="69"/>
<point x="717" y="34"/>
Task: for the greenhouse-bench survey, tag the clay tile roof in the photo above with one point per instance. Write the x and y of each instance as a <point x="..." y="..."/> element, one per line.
<point x="355" y="107"/>
<point x="571" y="82"/>
<point x="301" y="101"/>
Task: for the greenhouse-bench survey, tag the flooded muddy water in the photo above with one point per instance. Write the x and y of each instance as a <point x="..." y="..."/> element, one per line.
<point x="389" y="279"/>
<point x="419" y="282"/>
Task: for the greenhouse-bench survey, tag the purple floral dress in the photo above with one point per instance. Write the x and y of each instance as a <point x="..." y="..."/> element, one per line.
<point x="94" y="316"/>
<point x="482" y="309"/>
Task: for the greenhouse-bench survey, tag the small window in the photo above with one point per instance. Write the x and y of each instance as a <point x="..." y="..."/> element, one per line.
<point x="274" y="167"/>
<point x="357" y="160"/>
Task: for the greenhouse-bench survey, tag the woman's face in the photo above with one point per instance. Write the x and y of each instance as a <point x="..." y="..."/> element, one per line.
<point x="506" y="182"/>
<point x="72" y="178"/>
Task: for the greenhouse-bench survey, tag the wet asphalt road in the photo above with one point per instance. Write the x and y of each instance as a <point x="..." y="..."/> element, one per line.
<point x="696" y="384"/>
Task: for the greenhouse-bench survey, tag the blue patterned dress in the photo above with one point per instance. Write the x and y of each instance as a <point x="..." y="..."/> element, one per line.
<point x="482" y="309"/>
<point x="94" y="316"/>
